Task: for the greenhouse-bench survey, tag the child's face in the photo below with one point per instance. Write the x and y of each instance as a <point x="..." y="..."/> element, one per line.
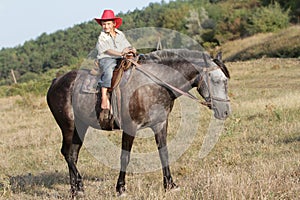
<point x="108" y="26"/>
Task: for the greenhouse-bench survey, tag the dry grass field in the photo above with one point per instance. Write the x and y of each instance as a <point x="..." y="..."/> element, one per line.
<point x="257" y="156"/>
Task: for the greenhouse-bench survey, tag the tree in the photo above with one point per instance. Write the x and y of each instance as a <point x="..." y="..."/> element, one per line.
<point x="268" y="19"/>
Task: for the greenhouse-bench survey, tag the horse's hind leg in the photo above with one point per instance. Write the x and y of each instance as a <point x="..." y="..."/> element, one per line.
<point x="160" y="131"/>
<point x="127" y="141"/>
<point x="72" y="142"/>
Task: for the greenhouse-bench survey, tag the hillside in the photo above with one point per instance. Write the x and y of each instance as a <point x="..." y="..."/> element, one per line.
<point x="282" y="44"/>
<point x="210" y="23"/>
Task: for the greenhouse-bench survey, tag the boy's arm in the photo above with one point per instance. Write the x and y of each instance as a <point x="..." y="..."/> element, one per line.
<point x="116" y="53"/>
<point x="113" y="53"/>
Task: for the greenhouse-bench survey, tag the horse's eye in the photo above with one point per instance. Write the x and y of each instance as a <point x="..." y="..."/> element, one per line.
<point x="217" y="81"/>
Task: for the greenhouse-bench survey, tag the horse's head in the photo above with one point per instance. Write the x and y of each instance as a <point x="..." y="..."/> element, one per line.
<point x="212" y="86"/>
<point x="211" y="80"/>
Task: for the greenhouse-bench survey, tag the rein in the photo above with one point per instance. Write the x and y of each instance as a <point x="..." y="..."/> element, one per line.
<point x="159" y="81"/>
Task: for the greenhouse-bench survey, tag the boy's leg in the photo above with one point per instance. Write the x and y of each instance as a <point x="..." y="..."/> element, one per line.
<point x="104" y="102"/>
<point x="108" y="65"/>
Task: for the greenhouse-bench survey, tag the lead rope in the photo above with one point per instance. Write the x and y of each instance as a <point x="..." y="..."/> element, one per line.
<point x="150" y="75"/>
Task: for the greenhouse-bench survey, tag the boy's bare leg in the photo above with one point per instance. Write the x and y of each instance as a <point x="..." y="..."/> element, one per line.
<point x="105" y="101"/>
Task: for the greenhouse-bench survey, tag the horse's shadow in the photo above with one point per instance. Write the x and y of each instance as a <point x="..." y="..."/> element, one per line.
<point x="291" y="139"/>
<point x="23" y="182"/>
<point x="32" y="184"/>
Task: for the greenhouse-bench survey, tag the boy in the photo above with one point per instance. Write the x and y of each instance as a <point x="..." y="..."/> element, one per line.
<point x="112" y="44"/>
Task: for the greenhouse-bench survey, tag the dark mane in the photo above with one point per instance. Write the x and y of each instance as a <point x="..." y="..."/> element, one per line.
<point x="178" y="55"/>
<point x="196" y="58"/>
<point x="222" y="67"/>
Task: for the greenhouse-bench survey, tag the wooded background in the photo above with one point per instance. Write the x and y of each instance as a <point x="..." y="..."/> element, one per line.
<point x="209" y="22"/>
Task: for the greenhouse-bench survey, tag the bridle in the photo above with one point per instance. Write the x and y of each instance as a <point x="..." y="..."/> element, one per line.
<point x="206" y="70"/>
<point x="209" y="103"/>
<point x="187" y="94"/>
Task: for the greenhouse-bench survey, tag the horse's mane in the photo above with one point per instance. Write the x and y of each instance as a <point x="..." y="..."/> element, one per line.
<point x="199" y="58"/>
<point x="177" y="55"/>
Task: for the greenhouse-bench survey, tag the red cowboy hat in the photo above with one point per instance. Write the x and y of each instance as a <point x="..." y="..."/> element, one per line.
<point x="109" y="15"/>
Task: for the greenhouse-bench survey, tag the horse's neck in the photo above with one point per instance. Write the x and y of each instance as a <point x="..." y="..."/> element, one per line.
<point x="180" y="77"/>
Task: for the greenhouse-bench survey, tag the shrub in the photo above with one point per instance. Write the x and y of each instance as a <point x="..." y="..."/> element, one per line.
<point x="267" y="19"/>
<point x="28" y="77"/>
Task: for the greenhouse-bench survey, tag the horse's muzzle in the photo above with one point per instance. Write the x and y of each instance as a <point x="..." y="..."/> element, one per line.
<point x="222" y="110"/>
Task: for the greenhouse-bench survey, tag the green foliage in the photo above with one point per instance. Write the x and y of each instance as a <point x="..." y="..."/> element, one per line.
<point x="293" y="5"/>
<point x="29" y="76"/>
<point x="33" y="87"/>
<point x="268" y="19"/>
<point x="232" y="23"/>
<point x="35" y="84"/>
<point x="62" y="48"/>
<point x="209" y="22"/>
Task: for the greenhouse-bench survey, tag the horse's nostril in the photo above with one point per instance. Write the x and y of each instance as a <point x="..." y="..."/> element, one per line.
<point x="226" y="113"/>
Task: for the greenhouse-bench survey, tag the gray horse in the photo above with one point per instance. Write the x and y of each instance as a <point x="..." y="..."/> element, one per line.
<point x="147" y="93"/>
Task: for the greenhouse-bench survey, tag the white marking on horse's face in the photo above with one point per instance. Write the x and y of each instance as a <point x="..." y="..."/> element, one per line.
<point x="218" y="84"/>
<point x="219" y="94"/>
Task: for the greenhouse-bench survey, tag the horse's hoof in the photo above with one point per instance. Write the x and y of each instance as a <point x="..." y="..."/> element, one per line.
<point x="77" y="194"/>
<point x="175" y="189"/>
<point x="80" y="194"/>
<point x="172" y="187"/>
<point x="121" y="192"/>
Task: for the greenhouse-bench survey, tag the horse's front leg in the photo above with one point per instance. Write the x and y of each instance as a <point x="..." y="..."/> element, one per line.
<point x="127" y="141"/>
<point x="160" y="131"/>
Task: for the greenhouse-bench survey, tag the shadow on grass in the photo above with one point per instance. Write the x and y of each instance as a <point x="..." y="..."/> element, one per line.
<point x="292" y="139"/>
<point x="37" y="185"/>
<point x="48" y="180"/>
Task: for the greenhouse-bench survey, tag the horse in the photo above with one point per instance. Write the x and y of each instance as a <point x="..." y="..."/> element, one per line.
<point x="148" y="92"/>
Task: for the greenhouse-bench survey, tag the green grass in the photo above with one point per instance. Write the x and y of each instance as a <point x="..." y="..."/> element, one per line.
<point x="37" y="86"/>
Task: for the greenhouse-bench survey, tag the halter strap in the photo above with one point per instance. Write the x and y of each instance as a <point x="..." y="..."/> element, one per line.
<point x="210" y="95"/>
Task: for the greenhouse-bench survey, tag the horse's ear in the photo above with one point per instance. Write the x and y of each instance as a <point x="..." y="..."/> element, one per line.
<point x="219" y="56"/>
<point x="219" y="62"/>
